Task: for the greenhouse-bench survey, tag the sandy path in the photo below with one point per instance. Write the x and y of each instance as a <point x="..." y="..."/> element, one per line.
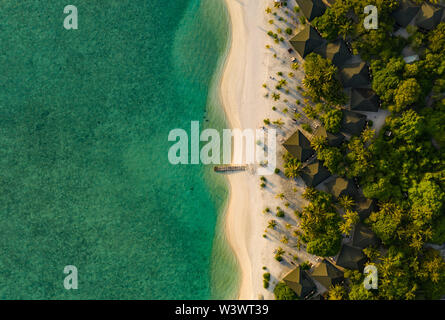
<point x="236" y="85"/>
<point x="249" y="65"/>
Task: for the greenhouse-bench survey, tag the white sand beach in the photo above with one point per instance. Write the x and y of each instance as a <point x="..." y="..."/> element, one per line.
<point x="249" y="65"/>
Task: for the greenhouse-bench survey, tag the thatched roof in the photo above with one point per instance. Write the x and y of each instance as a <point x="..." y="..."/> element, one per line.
<point x="355" y="75"/>
<point x="334" y="140"/>
<point x="429" y="16"/>
<point x="314" y="174"/>
<point x="352" y="122"/>
<point x="351" y="258"/>
<point x="363" y="237"/>
<point x="364" y="207"/>
<point x="306" y="41"/>
<point x="311" y="8"/>
<point x="336" y="51"/>
<point x="342" y="187"/>
<point x="405" y="13"/>
<point x="317" y="297"/>
<point x="361" y="99"/>
<point x="327" y="274"/>
<point x="299" y="146"/>
<point x="300" y="282"/>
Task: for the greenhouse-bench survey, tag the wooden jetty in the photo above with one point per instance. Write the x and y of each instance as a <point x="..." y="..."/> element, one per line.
<point x="229" y="168"/>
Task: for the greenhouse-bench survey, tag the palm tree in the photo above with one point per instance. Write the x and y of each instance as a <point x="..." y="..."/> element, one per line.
<point x="309" y="193"/>
<point x="368" y="134"/>
<point x="346" y="202"/>
<point x="345" y="29"/>
<point x="282" y="82"/>
<point x="318" y="143"/>
<point x="292" y="168"/>
<point x="279" y="123"/>
<point x="272" y="224"/>
<point x="416" y="242"/>
<point x="337" y="292"/>
<point x="371" y="253"/>
<point x="298" y="243"/>
<point x="351" y="216"/>
<point x="279" y="251"/>
<point x="280" y="196"/>
<point x="350" y="219"/>
<point x="345" y="228"/>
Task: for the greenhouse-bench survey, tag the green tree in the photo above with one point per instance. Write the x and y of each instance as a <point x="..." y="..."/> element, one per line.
<point x="395" y="277"/>
<point x="272" y="224"/>
<point x="332" y="159"/>
<point x="407" y="128"/>
<point x="431" y="271"/>
<point x="386" y="221"/>
<point x="346" y="202"/>
<point x="283" y="292"/>
<point x="387" y="78"/>
<point x="321" y="81"/>
<point x="407" y="93"/>
<point x="337" y="292"/>
<point x="437" y="39"/>
<point x="320" y="224"/>
<point x="359" y="158"/>
<point x="332" y="120"/>
<point x="427" y="197"/>
<point x="367" y="135"/>
<point x="358" y="292"/>
<point x="292" y="168"/>
<point x="319" y="143"/>
<point x="350" y="218"/>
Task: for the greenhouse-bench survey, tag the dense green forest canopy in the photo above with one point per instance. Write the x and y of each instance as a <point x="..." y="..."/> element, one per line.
<point x="403" y="167"/>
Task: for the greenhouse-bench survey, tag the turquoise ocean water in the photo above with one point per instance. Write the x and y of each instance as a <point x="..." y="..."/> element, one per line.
<point x="84" y="175"/>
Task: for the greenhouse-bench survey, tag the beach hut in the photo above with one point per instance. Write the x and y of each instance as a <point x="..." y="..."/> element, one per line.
<point x="336" y="51"/>
<point x="327" y="274"/>
<point x="311" y="8"/>
<point x="299" y="146"/>
<point x="355" y="75"/>
<point x="279" y="3"/>
<point x="352" y="123"/>
<point x="365" y="207"/>
<point x="363" y="237"/>
<point x="361" y="99"/>
<point x="306" y="41"/>
<point x="351" y="258"/>
<point x="317" y="297"/>
<point x="429" y="16"/>
<point x="334" y="140"/>
<point x="300" y="282"/>
<point x="405" y="13"/>
<point x="340" y="187"/>
<point x="315" y="173"/>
